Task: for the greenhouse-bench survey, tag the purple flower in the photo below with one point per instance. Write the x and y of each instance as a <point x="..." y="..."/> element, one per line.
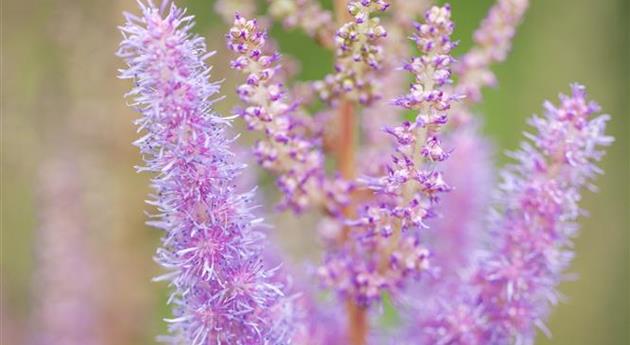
<point x="221" y="292"/>
<point x="513" y="284"/>
<point x="388" y="227"/>
<point x="285" y="150"/>
<point x="358" y="55"/>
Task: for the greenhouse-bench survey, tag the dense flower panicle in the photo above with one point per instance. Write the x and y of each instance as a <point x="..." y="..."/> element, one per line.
<point x="411" y="179"/>
<point x="387" y="229"/>
<point x="514" y="282"/>
<point x="285" y="150"/>
<point x="307" y="15"/>
<point x="493" y="41"/>
<point x="67" y="308"/>
<point x="222" y="293"/>
<point x="358" y="55"/>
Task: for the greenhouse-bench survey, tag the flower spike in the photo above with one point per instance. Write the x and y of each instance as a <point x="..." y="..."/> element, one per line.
<point x="221" y="291"/>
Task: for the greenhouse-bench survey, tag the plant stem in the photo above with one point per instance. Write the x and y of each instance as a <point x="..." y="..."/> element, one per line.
<point x="357" y="318"/>
<point x="357" y="324"/>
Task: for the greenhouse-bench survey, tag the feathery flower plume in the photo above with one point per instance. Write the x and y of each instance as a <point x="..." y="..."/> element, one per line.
<point x="493" y="41"/>
<point x="388" y="227"/>
<point x="307" y="15"/>
<point x="513" y="286"/>
<point x="67" y="310"/>
<point x="222" y="293"/>
<point x="359" y="54"/>
<point x="286" y="149"/>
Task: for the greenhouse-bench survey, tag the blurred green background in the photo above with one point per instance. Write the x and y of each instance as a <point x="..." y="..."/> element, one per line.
<point x="59" y="90"/>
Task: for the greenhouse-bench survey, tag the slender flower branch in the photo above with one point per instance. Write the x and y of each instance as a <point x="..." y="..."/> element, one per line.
<point x="286" y="150"/>
<point x="455" y="237"/>
<point x="513" y="286"/>
<point x="221" y="291"/>
<point x="493" y="41"/>
<point x="374" y="148"/>
<point x="358" y="53"/>
<point x="387" y="229"/>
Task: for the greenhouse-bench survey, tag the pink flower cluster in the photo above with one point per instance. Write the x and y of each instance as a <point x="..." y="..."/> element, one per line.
<point x="513" y="284"/>
<point x="406" y="195"/>
<point x="287" y="149"/>
<point x="222" y="293"/>
<point x="359" y="53"/>
<point x="405" y="222"/>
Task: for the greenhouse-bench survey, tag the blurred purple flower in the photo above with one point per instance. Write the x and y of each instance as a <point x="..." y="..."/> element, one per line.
<point x="457" y="234"/>
<point x="493" y="41"/>
<point x="513" y="284"/>
<point x="67" y="310"/>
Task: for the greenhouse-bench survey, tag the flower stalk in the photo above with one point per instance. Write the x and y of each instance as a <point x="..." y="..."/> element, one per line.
<point x="222" y="293"/>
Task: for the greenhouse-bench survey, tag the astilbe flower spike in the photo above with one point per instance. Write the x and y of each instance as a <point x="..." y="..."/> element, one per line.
<point x="514" y="281"/>
<point x="375" y="143"/>
<point x="358" y="55"/>
<point x="455" y="236"/>
<point x="454" y="240"/>
<point x="405" y="196"/>
<point x="286" y="150"/>
<point x="221" y="291"/>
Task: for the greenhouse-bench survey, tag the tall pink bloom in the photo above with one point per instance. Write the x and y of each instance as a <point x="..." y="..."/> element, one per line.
<point x="221" y="291"/>
<point x="358" y="54"/>
<point x="513" y="286"/>
<point x="388" y="228"/>
<point x="286" y="149"/>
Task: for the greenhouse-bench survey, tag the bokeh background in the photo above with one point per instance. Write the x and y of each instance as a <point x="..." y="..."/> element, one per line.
<point x="60" y="94"/>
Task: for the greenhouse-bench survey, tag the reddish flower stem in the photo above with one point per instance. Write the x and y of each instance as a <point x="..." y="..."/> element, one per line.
<point x="357" y="318"/>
